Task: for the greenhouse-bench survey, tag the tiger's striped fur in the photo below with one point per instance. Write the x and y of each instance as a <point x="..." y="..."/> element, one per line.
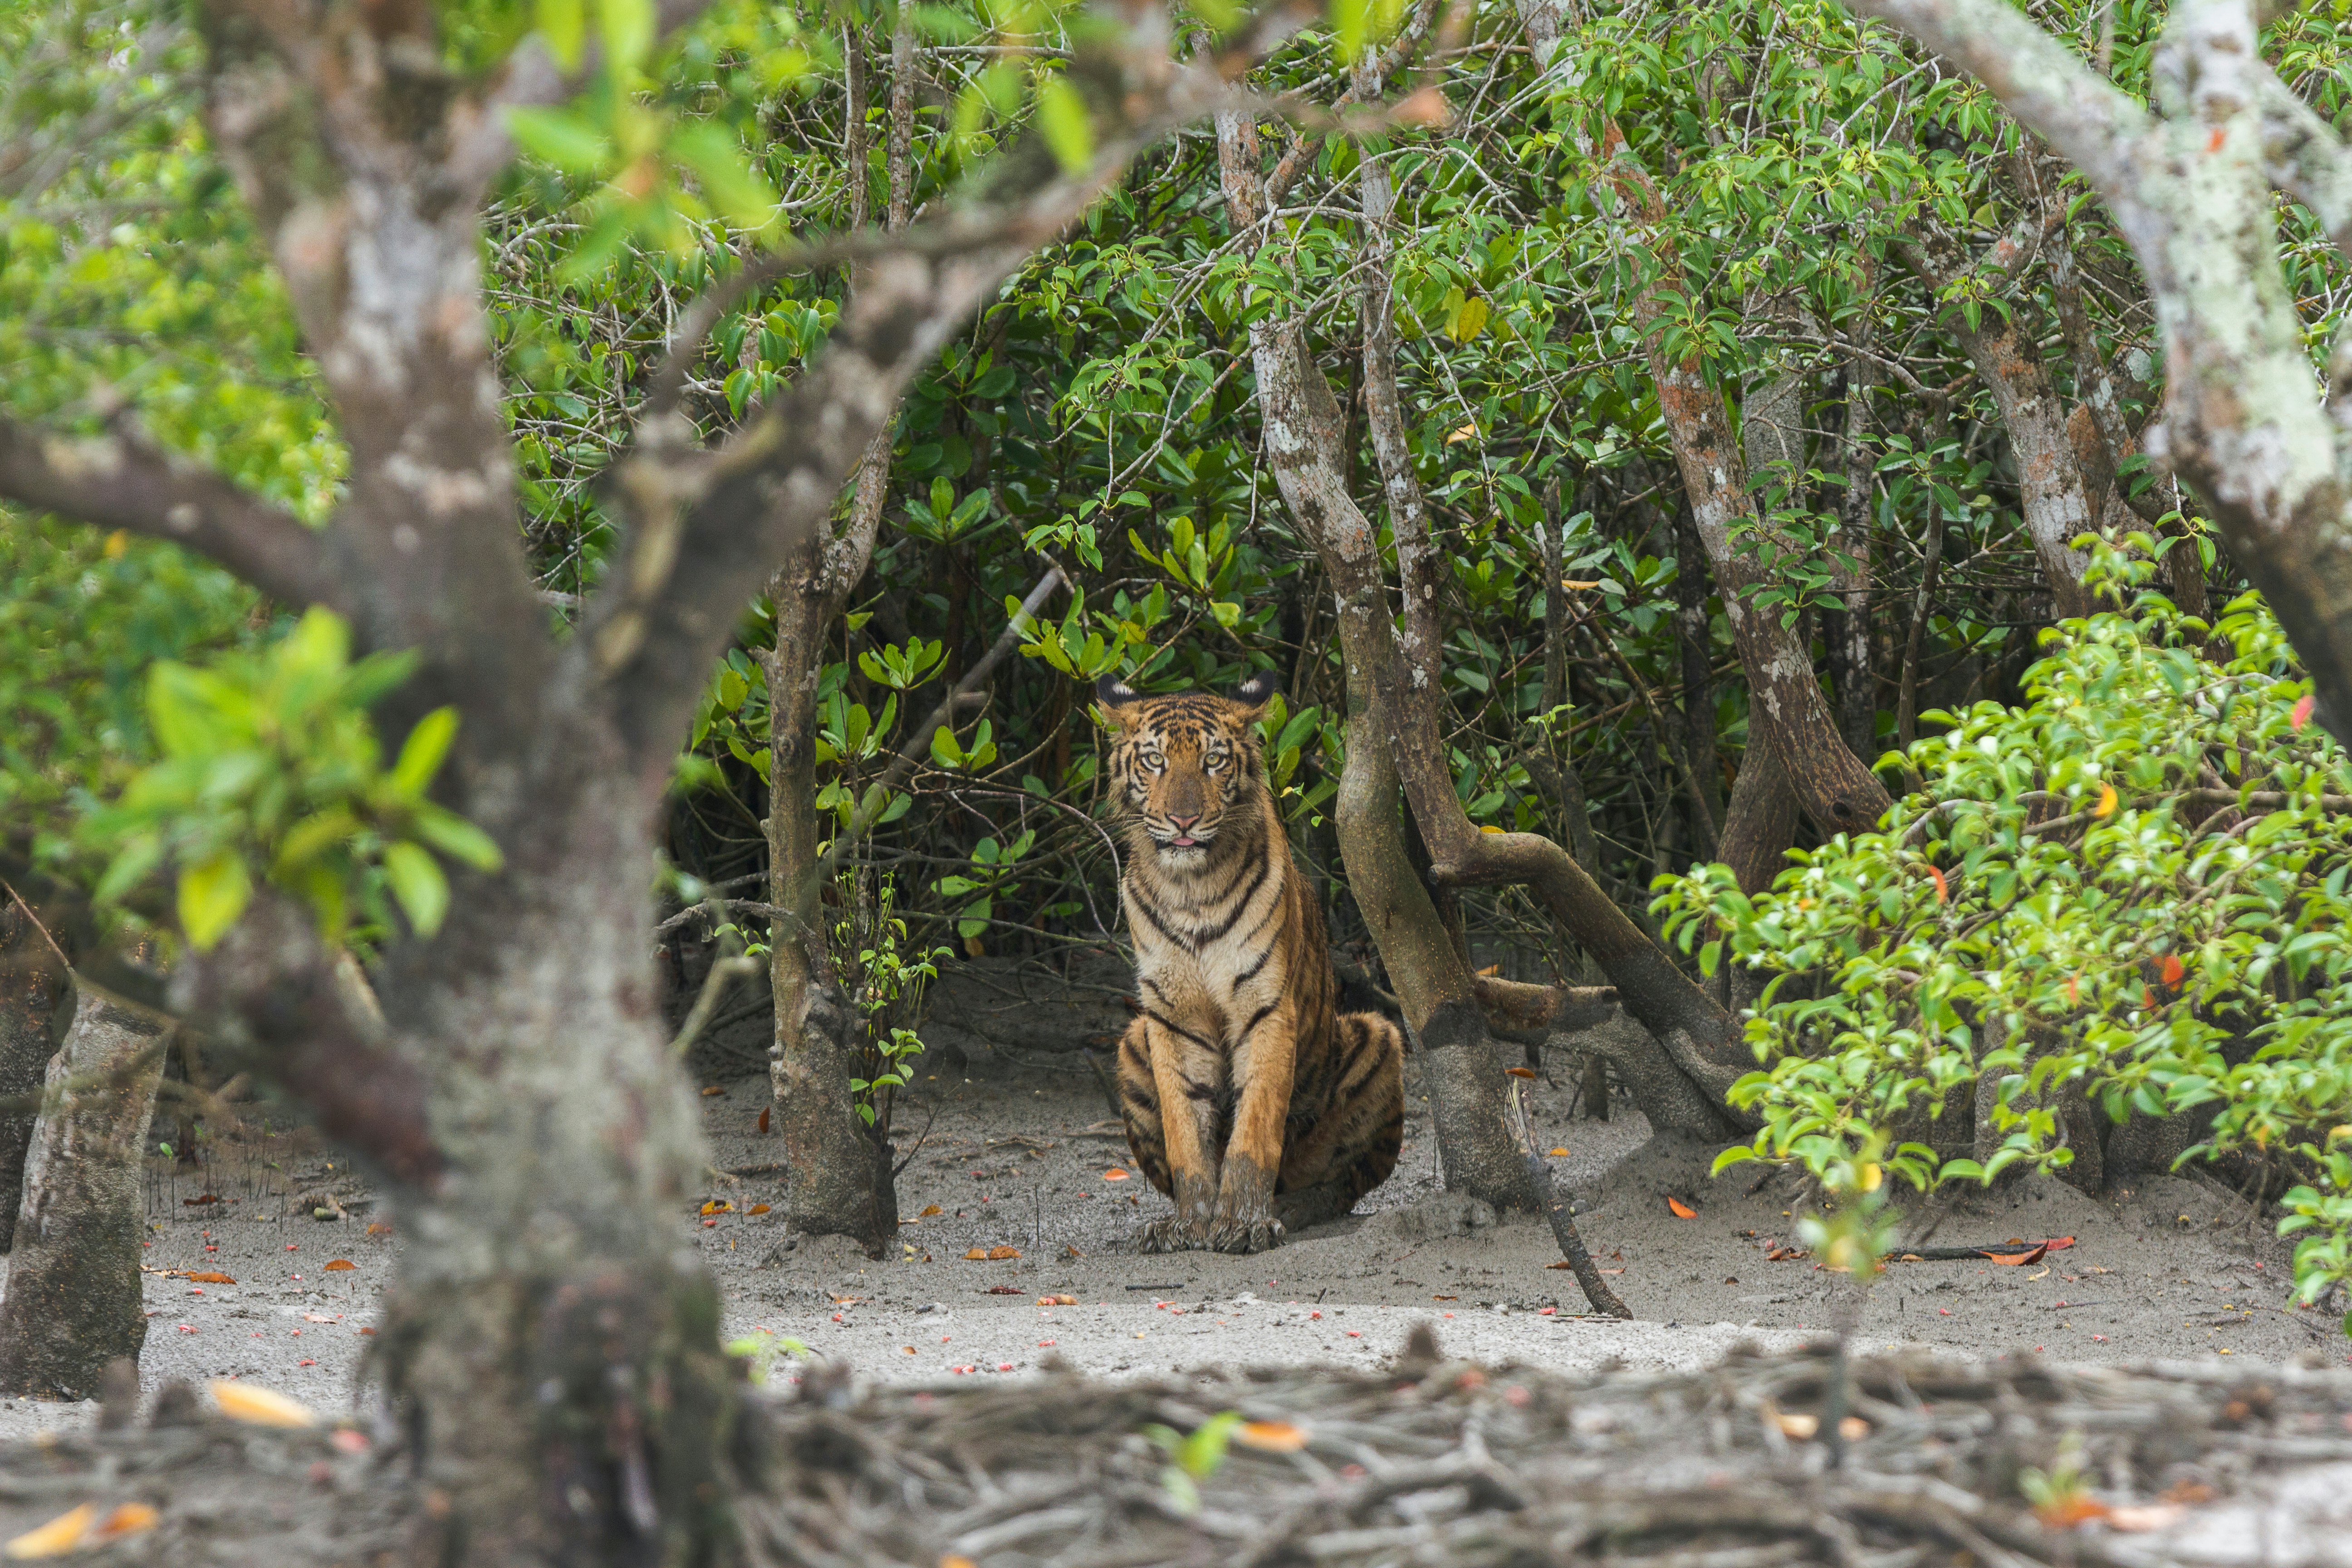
<point x="1247" y="1097"/>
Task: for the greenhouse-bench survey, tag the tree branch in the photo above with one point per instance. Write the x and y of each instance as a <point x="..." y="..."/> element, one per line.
<point x="2085" y="116"/>
<point x="709" y="526"/>
<point x="120" y="479"/>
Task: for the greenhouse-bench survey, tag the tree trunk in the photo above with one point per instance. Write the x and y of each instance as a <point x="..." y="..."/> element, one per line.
<point x="2050" y="493"/>
<point x="31" y="981"/>
<point x="1836" y="788"/>
<point x="837" y="1177"/>
<point x="828" y="1158"/>
<point x="74" y="1300"/>
<point x="552" y="1338"/>
<point x="1849" y="630"/>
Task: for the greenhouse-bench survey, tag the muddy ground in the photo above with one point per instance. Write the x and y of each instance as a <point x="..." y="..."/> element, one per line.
<point x="1013" y="1148"/>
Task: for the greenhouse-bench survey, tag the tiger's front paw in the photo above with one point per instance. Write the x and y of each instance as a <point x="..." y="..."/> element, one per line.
<point x="1174" y="1233"/>
<point x="1261" y="1234"/>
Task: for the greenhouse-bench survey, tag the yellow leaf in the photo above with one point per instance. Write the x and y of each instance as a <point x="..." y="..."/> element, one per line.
<point x="1270" y="1436"/>
<point x="1559" y="1153"/>
<point x="116" y="543"/>
<point x="1796" y="1424"/>
<point x="1467" y="433"/>
<point x="1578" y="583"/>
<point x="1488" y="827"/>
<point x="1871" y="1176"/>
<point x="998" y="1254"/>
<point x="57" y="1537"/>
<point x="260" y="1407"/>
<point x="1681" y="1209"/>
<point x="977" y="1254"/>
<point x="718" y="1206"/>
<point x="757" y="1209"/>
<point x="2106" y="806"/>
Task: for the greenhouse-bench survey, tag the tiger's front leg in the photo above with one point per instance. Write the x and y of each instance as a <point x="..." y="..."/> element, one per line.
<point x="1264" y="1064"/>
<point x="1184" y="1073"/>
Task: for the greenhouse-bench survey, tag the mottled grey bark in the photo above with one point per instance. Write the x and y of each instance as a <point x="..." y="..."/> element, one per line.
<point x="74" y="1301"/>
<point x="32" y="985"/>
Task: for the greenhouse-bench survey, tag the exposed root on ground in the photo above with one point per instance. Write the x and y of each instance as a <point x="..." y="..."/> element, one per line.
<point x="1448" y="1463"/>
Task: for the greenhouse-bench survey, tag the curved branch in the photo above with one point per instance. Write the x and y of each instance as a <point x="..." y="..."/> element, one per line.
<point x="120" y="479"/>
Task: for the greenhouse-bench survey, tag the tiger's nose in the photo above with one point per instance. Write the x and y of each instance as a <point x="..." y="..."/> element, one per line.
<point x="1183" y="824"/>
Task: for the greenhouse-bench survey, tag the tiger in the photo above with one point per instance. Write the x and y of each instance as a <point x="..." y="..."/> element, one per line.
<point x="1246" y="1096"/>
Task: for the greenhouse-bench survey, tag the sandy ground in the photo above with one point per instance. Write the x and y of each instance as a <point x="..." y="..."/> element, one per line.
<point x="1021" y="1154"/>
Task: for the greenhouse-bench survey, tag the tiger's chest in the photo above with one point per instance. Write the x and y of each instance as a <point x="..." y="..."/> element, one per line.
<point x="1212" y="952"/>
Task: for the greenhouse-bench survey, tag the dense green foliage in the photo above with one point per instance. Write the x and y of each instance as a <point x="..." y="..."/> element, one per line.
<point x="2175" y="953"/>
<point x="2134" y="885"/>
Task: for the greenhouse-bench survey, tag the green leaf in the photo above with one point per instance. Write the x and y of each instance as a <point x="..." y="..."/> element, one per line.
<point x="1065" y="124"/>
<point x="422" y="753"/>
<point x="734" y="188"/>
<point x="944" y="749"/>
<point x="457" y="838"/>
<point x="565" y="24"/>
<point x="628" y="28"/>
<point x="417" y="882"/>
<point x="559" y="137"/>
<point x="213" y="893"/>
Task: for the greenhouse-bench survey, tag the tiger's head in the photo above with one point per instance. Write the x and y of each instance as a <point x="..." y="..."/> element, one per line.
<point x="1187" y="768"/>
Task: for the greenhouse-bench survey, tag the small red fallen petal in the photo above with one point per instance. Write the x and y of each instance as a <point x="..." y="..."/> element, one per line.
<point x="1005" y="1366"/>
<point x="1946" y="1311"/>
<point x="2302" y="714"/>
<point x="1546" y="1312"/>
<point x="185" y="1327"/>
<point x="1355" y="1333"/>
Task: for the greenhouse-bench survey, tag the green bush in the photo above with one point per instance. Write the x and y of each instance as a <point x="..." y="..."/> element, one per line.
<point x="2143" y="870"/>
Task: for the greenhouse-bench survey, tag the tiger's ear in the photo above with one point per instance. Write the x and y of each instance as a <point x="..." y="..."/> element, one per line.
<point x="1118" y="698"/>
<point x="1254" y="694"/>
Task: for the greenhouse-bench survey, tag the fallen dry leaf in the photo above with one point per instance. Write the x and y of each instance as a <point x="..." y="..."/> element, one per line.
<point x="2066" y="1512"/>
<point x="1270" y="1436"/>
<point x="1520" y="1072"/>
<point x="2141" y="1517"/>
<point x="1002" y="1290"/>
<point x="1057" y="1300"/>
<point x="711" y="1088"/>
<point x="2016" y="1260"/>
<point x="718" y="1206"/>
<point x="953" y="1560"/>
<point x="977" y="1254"/>
<point x="213" y="1278"/>
<point x="998" y="1254"/>
<point x="259" y="1406"/>
<point x="1681" y="1209"/>
<point x="337" y="1266"/>
<point x="757" y="1209"/>
<point x="1563" y="1263"/>
<point x="377" y="1228"/>
<point x="1490" y="972"/>
<point x="57" y="1537"/>
<point x="1072" y="1250"/>
<point x="1115" y="1174"/>
<point x="931" y="1209"/>
<point x="200" y="1201"/>
<point x="317" y="1318"/>
<point x="1796" y="1424"/>
<point x="763" y="1118"/>
<point x="1560" y="1153"/>
<point x="126" y="1518"/>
